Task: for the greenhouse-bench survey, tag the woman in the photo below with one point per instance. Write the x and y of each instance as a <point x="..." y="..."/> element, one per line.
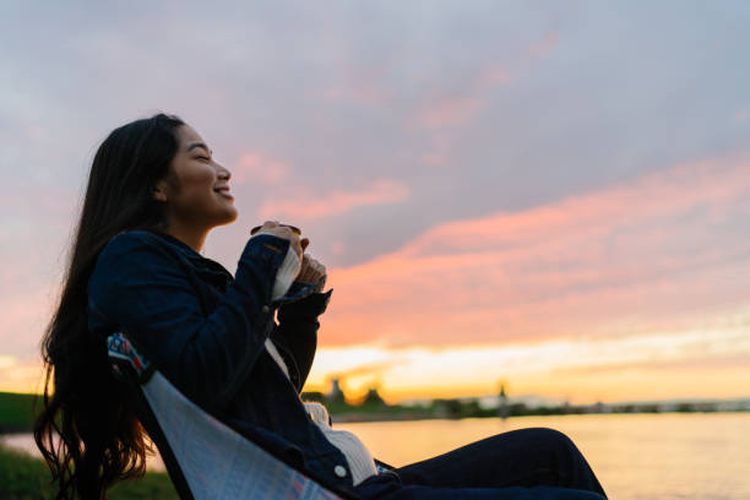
<point x="154" y="193"/>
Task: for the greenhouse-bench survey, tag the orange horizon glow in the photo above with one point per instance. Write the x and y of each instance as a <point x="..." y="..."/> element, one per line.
<point x="585" y="383"/>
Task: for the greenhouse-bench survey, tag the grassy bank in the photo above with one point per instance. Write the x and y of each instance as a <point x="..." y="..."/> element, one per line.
<point x="24" y="477"/>
<point x="16" y="412"/>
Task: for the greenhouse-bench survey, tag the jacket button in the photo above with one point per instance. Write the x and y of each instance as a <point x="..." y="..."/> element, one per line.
<point x="265" y="309"/>
<point x="340" y="471"/>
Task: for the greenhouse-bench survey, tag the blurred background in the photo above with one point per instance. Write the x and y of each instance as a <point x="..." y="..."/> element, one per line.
<point x="525" y="207"/>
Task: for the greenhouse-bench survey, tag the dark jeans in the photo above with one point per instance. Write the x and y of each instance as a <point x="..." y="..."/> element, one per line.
<point x="527" y="463"/>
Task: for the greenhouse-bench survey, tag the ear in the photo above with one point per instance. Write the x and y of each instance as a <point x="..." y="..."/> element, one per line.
<point x="160" y="191"/>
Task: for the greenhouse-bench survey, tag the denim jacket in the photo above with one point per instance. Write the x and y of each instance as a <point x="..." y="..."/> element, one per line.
<point x="205" y="331"/>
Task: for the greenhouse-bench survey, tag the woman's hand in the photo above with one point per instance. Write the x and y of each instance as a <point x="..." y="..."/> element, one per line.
<point x="273" y="228"/>
<point x="312" y="272"/>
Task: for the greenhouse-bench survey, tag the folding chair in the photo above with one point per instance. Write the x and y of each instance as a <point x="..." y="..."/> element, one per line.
<point x="205" y="458"/>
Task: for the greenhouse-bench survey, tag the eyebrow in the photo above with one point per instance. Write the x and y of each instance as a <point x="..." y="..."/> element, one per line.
<point x="198" y="145"/>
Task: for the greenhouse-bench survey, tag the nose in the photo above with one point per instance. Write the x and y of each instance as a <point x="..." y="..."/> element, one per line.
<point x="223" y="173"/>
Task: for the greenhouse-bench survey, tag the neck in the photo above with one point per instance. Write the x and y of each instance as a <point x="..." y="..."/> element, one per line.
<point x="190" y="235"/>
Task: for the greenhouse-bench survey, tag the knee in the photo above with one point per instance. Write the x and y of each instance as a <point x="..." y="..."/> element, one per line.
<point x="553" y="440"/>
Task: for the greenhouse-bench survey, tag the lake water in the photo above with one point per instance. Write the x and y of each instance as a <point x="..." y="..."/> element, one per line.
<point x="664" y="456"/>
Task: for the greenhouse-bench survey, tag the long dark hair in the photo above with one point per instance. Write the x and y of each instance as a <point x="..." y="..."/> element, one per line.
<point x="88" y="436"/>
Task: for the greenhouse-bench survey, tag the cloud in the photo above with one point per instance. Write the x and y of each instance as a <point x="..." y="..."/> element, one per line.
<point x="544" y="46"/>
<point x="652" y="253"/>
<point x="434" y="159"/>
<point x="442" y="112"/>
<point x="449" y="111"/>
<point x="458" y="108"/>
<point x="493" y="75"/>
<point x="440" y="149"/>
<point x="305" y="205"/>
<point x="260" y="168"/>
<point x="360" y="84"/>
<point x="453" y="109"/>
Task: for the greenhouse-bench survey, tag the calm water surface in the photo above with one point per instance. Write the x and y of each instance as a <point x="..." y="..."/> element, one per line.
<point x="664" y="456"/>
<point x="634" y="456"/>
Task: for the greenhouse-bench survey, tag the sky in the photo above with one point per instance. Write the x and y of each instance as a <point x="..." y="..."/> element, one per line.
<point x="549" y="195"/>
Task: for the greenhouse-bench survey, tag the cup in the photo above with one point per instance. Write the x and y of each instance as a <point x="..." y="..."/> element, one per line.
<point x="294" y="229"/>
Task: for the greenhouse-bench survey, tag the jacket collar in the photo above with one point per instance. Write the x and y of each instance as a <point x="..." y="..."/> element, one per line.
<point x="181" y="245"/>
<point x="211" y="270"/>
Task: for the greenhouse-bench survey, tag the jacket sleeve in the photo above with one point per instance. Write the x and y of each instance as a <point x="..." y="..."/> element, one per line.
<point x="140" y="287"/>
<point x="296" y="335"/>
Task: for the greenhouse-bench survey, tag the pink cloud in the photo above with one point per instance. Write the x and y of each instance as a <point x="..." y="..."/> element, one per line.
<point x="442" y="114"/>
<point x="492" y="76"/>
<point x="360" y="84"/>
<point x="439" y="153"/>
<point x="449" y="111"/>
<point x="651" y="253"/>
<point x="545" y="45"/>
<point x="259" y="168"/>
<point x="366" y="93"/>
<point x="434" y="159"/>
<point x="458" y="109"/>
<point x="308" y="206"/>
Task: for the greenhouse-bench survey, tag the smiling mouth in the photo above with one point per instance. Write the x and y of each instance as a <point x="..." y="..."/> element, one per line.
<point x="224" y="192"/>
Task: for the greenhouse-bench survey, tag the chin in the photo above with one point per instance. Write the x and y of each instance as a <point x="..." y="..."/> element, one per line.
<point x="222" y="219"/>
<point x="231" y="216"/>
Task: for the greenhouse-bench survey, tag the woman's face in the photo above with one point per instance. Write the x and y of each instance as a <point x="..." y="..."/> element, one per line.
<point x="196" y="190"/>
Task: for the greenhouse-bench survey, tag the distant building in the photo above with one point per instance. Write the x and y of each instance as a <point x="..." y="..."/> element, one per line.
<point x="373" y="398"/>
<point x="598" y="407"/>
<point x="337" y="394"/>
<point x="502" y="409"/>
